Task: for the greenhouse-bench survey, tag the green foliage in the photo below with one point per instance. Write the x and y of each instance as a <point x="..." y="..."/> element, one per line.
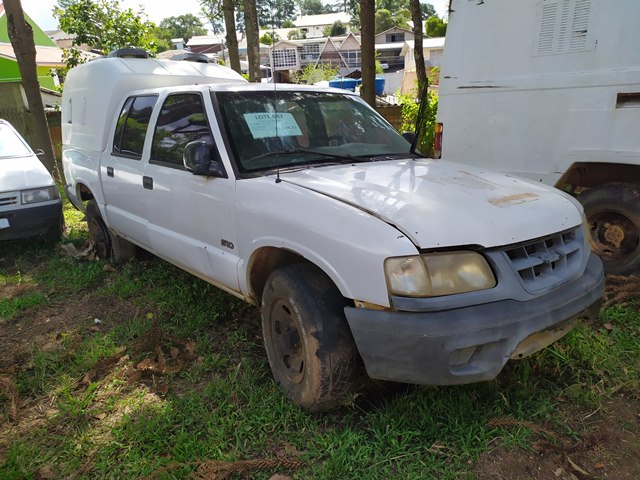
<point x="103" y="25"/>
<point x="410" y="107"/>
<point x="312" y="7"/>
<point x="385" y="19"/>
<point x="312" y="74"/>
<point x="296" y="35"/>
<point x="338" y="28"/>
<point x="269" y="38"/>
<point x="288" y="24"/>
<point x="183" y="26"/>
<point x="435" y="26"/>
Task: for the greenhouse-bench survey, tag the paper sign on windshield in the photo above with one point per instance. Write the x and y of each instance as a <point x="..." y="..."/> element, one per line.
<point x="263" y="125"/>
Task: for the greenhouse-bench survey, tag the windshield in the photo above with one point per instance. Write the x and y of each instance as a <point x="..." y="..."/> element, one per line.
<point x="308" y="128"/>
<point x="11" y="145"/>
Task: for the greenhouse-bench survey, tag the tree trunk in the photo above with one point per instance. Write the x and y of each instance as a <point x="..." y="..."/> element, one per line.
<point x="418" y="52"/>
<point x="368" y="54"/>
<point x="228" y="11"/>
<point x="253" y="39"/>
<point x="21" y="36"/>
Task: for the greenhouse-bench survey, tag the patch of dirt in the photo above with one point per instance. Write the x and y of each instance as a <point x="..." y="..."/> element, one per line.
<point x="606" y="447"/>
<point x="46" y="325"/>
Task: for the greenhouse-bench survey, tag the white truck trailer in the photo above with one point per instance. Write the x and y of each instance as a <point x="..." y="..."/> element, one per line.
<point x="550" y="90"/>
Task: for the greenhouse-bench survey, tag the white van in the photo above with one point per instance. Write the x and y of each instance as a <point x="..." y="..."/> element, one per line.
<point x="550" y="90"/>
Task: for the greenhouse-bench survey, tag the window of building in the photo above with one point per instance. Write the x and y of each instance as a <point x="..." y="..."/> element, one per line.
<point x="181" y="120"/>
<point x="352" y="57"/>
<point x="310" y="51"/>
<point x="132" y="126"/>
<point x="285" y="57"/>
<point x="395" y="37"/>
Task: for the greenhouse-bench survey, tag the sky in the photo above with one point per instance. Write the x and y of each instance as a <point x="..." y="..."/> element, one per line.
<point x="156" y="10"/>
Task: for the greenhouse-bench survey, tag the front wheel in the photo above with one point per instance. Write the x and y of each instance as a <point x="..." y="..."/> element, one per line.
<point x="108" y="245"/>
<point x="308" y="341"/>
<point x="613" y="213"/>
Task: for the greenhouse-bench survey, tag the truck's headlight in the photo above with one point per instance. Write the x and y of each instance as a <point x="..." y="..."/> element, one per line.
<point x="36" y="195"/>
<point x="436" y="274"/>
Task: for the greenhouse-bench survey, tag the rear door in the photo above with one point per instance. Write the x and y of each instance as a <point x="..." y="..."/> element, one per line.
<point x="121" y="171"/>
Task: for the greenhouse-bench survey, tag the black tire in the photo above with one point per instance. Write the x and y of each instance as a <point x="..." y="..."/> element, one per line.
<point x="613" y="213"/>
<point x="309" y="344"/>
<point x="108" y="245"/>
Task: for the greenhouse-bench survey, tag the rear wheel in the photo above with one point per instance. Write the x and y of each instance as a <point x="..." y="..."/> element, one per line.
<point x="308" y="341"/>
<point x="108" y="245"/>
<point x="613" y="213"/>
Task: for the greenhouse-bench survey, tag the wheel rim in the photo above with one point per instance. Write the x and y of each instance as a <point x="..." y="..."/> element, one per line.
<point x="100" y="237"/>
<point x="615" y="236"/>
<point x="287" y="341"/>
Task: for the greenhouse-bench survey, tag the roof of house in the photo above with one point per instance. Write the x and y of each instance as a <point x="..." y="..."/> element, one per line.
<point x="321" y="20"/>
<point x="395" y="29"/>
<point x="51" y="56"/>
<point x="430" y="43"/>
<point x="206" y="40"/>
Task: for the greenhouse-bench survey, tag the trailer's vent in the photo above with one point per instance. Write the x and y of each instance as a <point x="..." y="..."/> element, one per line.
<point x="191" y="57"/>
<point x="129" y="52"/>
<point x="564" y="27"/>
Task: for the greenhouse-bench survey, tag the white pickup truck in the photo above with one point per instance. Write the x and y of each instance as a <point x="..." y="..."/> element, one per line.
<point x="306" y="202"/>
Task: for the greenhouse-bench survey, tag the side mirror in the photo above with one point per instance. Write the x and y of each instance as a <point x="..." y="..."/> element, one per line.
<point x="409" y="137"/>
<point x="197" y="160"/>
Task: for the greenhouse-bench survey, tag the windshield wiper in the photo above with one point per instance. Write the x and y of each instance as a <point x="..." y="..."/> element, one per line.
<point x="296" y="151"/>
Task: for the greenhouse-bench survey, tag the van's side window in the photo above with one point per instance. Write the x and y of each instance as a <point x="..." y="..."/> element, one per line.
<point x="181" y="120"/>
<point x="132" y="126"/>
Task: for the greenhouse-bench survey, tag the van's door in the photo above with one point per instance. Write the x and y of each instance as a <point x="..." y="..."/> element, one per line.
<point x="121" y="171"/>
<point x="191" y="221"/>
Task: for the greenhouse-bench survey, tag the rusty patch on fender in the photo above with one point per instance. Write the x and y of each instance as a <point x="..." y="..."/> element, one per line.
<point x="516" y="199"/>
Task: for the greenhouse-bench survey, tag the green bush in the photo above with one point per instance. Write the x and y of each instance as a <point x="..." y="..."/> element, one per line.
<point x="410" y="107"/>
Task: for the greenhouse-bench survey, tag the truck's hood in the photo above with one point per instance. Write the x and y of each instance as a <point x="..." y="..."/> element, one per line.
<point x="19" y="173"/>
<point x="442" y="204"/>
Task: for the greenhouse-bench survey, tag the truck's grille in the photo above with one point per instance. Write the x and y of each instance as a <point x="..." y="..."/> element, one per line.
<point x="546" y="261"/>
<point x="7" y="199"/>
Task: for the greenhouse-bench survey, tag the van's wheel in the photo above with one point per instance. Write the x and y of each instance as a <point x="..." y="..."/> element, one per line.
<point x="309" y="344"/>
<point x="108" y="245"/>
<point x="613" y="213"/>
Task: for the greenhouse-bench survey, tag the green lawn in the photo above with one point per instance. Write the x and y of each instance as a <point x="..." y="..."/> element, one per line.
<point x="142" y="368"/>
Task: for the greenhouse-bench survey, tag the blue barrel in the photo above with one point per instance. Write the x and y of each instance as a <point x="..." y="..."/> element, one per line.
<point x="379" y="85"/>
<point x="344" y="83"/>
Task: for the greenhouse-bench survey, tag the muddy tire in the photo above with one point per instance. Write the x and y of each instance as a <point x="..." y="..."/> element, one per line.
<point x="308" y="341"/>
<point x="108" y="245"/>
<point x="613" y="213"/>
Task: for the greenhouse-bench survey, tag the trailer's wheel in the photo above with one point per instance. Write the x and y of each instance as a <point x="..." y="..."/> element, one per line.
<point x="308" y="341"/>
<point x="613" y="213"/>
<point x="108" y="245"/>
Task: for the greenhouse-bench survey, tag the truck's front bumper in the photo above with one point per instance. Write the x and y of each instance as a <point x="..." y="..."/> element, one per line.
<point x="472" y="343"/>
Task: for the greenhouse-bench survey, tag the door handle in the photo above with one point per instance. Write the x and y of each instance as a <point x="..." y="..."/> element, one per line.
<point x="110" y="172"/>
<point x="147" y="182"/>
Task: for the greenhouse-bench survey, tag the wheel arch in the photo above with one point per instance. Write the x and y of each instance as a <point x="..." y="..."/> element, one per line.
<point x="584" y="175"/>
<point x="267" y="259"/>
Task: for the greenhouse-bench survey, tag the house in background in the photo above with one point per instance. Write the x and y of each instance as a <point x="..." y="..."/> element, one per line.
<point x="432" y="49"/>
<point x="313" y="25"/>
<point x="388" y="45"/>
<point x="48" y="55"/>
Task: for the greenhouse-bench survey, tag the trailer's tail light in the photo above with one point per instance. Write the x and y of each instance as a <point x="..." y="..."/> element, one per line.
<point x="437" y="141"/>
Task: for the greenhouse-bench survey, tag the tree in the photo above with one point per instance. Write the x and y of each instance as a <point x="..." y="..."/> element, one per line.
<point x="271" y="13"/>
<point x="212" y="9"/>
<point x="385" y="19"/>
<point x="338" y="28"/>
<point x="183" y="26"/>
<point x="21" y="37"/>
<point x="312" y="7"/>
<point x="367" y="39"/>
<point x="104" y="26"/>
<point x="253" y="43"/>
<point x="436" y="27"/>
<point x="418" y="52"/>
<point x="296" y="35"/>
<point x="269" y="38"/>
<point x="427" y="10"/>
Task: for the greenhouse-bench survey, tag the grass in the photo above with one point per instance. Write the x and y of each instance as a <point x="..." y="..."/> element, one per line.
<point x="89" y="409"/>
